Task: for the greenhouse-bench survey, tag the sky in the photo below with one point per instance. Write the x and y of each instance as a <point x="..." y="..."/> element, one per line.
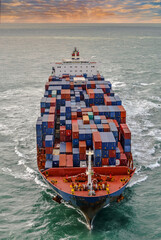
<point x="80" y="11"/>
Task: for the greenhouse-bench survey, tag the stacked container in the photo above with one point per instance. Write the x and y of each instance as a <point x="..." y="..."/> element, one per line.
<point x="81" y="115"/>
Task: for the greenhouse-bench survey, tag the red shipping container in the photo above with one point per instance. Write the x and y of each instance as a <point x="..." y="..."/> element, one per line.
<point x="68" y="138"/>
<point x="123" y="160"/>
<point x="49" y="150"/>
<point x="68" y="132"/>
<point x="105" y="161"/>
<point x="75" y="131"/>
<point x="65" y="94"/>
<point x="74" y="115"/>
<point x="62" y="138"/>
<point x="62" y="130"/>
<point x="123" y="120"/>
<point x="69" y="161"/>
<point x="82" y="156"/>
<point x="112" y="153"/>
<point x="50" y="78"/>
<point x="93" y="84"/>
<point x="68" y="147"/>
<point x="62" y="160"/>
<point x="47" y="86"/>
<point x="58" y="111"/>
<point x="123" y="126"/>
<point x="97" y="140"/>
<point x="51" y="121"/>
<point x="71" y="85"/>
<point x="82" y="147"/>
<point x="129" y="155"/>
<point x="123" y="111"/>
<point x="42" y="110"/>
<point x="79" y="114"/>
<point x="106" y="127"/>
<point x="53" y="102"/>
<point x="125" y="131"/>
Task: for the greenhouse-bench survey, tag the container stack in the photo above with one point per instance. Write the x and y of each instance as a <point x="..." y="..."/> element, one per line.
<point x="80" y="113"/>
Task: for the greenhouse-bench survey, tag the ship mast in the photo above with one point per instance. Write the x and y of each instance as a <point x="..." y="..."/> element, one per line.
<point x="89" y="172"/>
<point x="75" y="54"/>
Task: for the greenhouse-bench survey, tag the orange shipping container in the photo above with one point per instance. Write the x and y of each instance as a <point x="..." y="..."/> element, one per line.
<point x="68" y="147"/>
<point x="85" y="120"/>
<point x="75" y="131"/>
<point x="69" y="160"/>
<point x="95" y="110"/>
<point x="106" y="127"/>
<point x="62" y="160"/>
<point x="53" y="102"/>
<point x="82" y="147"/>
<point x="97" y="140"/>
<point x="120" y="147"/>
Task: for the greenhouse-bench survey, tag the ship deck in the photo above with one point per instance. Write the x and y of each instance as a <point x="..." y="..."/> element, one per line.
<point x="117" y="182"/>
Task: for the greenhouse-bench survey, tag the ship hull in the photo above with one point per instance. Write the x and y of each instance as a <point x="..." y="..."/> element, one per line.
<point x="89" y="206"/>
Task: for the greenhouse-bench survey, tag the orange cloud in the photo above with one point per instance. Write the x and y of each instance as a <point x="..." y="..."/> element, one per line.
<point x="77" y="11"/>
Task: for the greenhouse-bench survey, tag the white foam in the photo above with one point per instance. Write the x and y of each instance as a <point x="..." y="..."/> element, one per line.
<point x="134" y="182"/>
<point x="21" y="162"/>
<point x="153" y="165"/>
<point x="20" y="154"/>
<point x="118" y="84"/>
<point x="107" y="205"/>
<point x="147" y="84"/>
<point x="81" y="221"/>
<point x="17" y="175"/>
<point x="40" y="183"/>
<point x="138" y="170"/>
<point x="4" y="130"/>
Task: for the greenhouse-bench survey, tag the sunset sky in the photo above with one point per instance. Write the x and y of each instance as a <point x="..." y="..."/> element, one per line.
<point x="80" y="11"/>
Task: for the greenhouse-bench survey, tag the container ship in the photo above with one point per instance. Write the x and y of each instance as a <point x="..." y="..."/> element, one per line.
<point x="83" y="141"/>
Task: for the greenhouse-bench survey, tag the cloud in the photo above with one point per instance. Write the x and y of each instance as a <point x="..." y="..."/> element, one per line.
<point x="81" y="11"/>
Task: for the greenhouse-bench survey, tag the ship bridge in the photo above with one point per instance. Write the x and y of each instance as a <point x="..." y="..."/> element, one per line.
<point x="75" y="66"/>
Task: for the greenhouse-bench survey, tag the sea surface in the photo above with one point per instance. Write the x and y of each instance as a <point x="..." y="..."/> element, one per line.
<point x="129" y="55"/>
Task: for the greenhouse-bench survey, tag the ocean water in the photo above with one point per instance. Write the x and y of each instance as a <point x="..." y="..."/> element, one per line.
<point x="129" y="55"/>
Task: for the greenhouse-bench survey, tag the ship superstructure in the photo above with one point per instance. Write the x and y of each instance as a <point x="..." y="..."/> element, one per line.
<point x="83" y="141"/>
<point x="75" y="66"/>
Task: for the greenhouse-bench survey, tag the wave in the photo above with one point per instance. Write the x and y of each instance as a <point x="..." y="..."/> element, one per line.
<point x="17" y="175"/>
<point x="4" y="130"/>
<point x="153" y="165"/>
<point x="118" y="84"/>
<point x="147" y="84"/>
<point x="134" y="182"/>
<point x="20" y="154"/>
<point x="40" y="183"/>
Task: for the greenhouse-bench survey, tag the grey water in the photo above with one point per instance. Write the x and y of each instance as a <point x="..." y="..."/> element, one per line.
<point x="129" y="55"/>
